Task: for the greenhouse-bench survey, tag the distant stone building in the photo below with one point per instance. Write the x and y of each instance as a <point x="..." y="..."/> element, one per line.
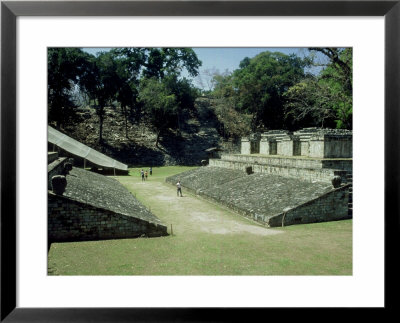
<point x="308" y="142"/>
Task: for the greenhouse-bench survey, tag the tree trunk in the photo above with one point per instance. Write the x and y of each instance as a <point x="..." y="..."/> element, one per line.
<point x="179" y="124"/>
<point x="101" y="119"/>
<point x="126" y="121"/>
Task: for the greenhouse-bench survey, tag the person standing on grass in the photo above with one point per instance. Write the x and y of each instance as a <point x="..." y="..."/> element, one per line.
<point x="142" y="173"/>
<point x="145" y="175"/>
<point x="178" y="188"/>
<point x="151" y="171"/>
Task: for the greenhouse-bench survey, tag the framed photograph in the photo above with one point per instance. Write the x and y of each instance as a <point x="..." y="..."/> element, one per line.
<point x="29" y="290"/>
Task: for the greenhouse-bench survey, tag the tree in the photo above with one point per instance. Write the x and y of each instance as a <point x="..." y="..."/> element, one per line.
<point x="160" y="104"/>
<point x="66" y="66"/>
<point x="162" y="92"/>
<point x="164" y="64"/>
<point x="341" y="62"/>
<point x="308" y="104"/>
<point x="223" y="85"/>
<point x="325" y="100"/>
<point x="128" y="66"/>
<point x="184" y="93"/>
<point x="116" y="76"/>
<point x="233" y="123"/>
<point x="338" y="77"/>
<point x="165" y="61"/>
<point x="102" y="84"/>
<point x="259" y="84"/>
<point x="206" y="79"/>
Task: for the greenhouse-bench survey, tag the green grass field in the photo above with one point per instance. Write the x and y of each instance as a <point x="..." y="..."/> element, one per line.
<point x="207" y="240"/>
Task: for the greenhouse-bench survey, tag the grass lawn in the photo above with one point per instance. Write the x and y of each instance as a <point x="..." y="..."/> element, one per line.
<point x="207" y="240"/>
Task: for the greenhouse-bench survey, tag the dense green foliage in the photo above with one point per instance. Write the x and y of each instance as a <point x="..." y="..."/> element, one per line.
<point x="66" y="68"/>
<point x="131" y="78"/>
<point x="269" y="91"/>
<point x="258" y="86"/>
<point x="324" y="100"/>
<point x="277" y="91"/>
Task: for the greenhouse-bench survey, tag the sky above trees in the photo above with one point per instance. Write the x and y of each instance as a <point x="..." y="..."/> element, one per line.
<point x="227" y="59"/>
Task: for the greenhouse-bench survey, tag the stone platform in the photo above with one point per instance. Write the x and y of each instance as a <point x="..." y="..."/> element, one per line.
<point x="300" y="167"/>
<point x="269" y="199"/>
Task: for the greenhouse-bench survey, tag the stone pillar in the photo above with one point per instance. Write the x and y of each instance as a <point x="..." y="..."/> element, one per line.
<point x="58" y="184"/>
<point x="316" y="147"/>
<point x="305" y="147"/>
<point x="305" y="135"/>
<point x="289" y="146"/>
<point x="332" y="143"/>
<point x="268" y="146"/>
<point x="264" y="146"/>
<point x="245" y="148"/>
<point x="338" y="146"/>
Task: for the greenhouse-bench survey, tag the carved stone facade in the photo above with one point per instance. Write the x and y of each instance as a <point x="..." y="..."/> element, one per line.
<point x="308" y="142"/>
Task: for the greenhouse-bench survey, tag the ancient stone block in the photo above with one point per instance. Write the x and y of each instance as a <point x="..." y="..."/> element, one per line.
<point x="249" y="170"/>
<point x="336" y="181"/>
<point x="245" y="147"/>
<point x="58" y="183"/>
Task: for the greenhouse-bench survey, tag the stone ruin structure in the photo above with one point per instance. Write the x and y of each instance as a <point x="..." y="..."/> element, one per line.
<point x="308" y="142"/>
<point x="83" y="205"/>
<point x="281" y="177"/>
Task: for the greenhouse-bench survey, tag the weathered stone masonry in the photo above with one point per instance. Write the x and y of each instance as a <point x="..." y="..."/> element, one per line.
<point x="265" y="198"/>
<point x="71" y="220"/>
<point x="310" y="142"/>
<point x="95" y="207"/>
<point x="302" y="168"/>
<point x="331" y="206"/>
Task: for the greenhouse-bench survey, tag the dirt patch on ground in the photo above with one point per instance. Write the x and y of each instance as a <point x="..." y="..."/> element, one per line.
<point x="189" y="213"/>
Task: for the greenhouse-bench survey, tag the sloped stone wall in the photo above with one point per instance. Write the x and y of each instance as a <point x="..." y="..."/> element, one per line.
<point x="70" y="220"/>
<point x="331" y="206"/>
<point x="94" y="206"/>
<point x="307" y="170"/>
<point x="298" y="162"/>
<point x="205" y="178"/>
<point x="265" y="197"/>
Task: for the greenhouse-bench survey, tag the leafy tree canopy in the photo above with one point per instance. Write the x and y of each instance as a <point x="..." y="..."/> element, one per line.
<point x="257" y="87"/>
<point x="119" y="75"/>
<point x="66" y="67"/>
<point x="324" y="100"/>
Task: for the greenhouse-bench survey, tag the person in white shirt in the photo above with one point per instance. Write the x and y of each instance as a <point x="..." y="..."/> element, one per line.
<point x="178" y="188"/>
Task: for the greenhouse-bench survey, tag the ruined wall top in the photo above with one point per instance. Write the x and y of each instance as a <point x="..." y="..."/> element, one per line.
<point x="275" y="134"/>
<point x="312" y="142"/>
<point x="332" y="134"/>
<point x="323" y="134"/>
<point x="304" y="134"/>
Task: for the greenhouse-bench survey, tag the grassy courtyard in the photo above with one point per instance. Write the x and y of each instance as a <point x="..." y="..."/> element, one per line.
<point x="206" y="239"/>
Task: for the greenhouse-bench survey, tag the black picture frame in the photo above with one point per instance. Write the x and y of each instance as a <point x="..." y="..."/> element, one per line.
<point x="10" y="10"/>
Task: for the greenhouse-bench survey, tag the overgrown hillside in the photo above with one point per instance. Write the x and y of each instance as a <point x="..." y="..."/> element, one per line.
<point x="199" y="131"/>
